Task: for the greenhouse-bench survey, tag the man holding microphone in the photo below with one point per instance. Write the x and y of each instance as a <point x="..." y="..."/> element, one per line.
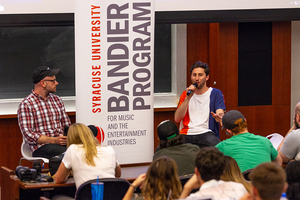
<point x="200" y="109"/>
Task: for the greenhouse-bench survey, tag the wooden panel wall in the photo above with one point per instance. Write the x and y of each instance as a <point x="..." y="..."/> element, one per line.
<point x="222" y="52"/>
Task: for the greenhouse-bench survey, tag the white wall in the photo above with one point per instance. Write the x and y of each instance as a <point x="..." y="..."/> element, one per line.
<point x="295" y="62"/>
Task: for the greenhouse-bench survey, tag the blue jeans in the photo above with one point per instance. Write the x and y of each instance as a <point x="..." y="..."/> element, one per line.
<point x="202" y="140"/>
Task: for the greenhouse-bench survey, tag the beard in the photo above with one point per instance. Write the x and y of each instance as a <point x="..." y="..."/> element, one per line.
<point x="200" y="86"/>
<point x="296" y="123"/>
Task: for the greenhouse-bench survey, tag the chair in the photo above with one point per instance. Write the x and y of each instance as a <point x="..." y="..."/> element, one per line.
<point x="114" y="188"/>
<point x="275" y="139"/>
<point x="27" y="155"/>
<point x="183" y="179"/>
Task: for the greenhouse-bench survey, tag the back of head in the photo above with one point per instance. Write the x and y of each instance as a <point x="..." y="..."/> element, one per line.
<point x="161" y="178"/>
<point x="202" y="65"/>
<point x="233" y="173"/>
<point x="269" y="180"/>
<point x="168" y="134"/>
<point x="210" y="163"/>
<point x="80" y="134"/>
<point x="235" y="121"/>
<point x="292" y="170"/>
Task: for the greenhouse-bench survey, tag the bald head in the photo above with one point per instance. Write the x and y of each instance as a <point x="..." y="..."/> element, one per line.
<point x="297" y="116"/>
<point x="297" y="109"/>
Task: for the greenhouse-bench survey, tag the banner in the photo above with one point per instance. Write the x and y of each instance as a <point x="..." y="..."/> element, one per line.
<point x="114" y="41"/>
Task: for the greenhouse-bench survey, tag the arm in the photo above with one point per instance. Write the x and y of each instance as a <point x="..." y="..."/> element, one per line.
<point x="65" y="119"/>
<point x="278" y="160"/>
<point x="182" y="107"/>
<point x="292" y="128"/>
<point x="118" y="171"/>
<point x="62" y="174"/>
<point x="283" y="157"/>
<point x="136" y="183"/>
<point x="191" y="184"/>
<point x="26" y="123"/>
<point x="218" y="115"/>
<point x="61" y="140"/>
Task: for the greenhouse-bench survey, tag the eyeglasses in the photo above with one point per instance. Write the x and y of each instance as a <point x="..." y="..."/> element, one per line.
<point x="51" y="80"/>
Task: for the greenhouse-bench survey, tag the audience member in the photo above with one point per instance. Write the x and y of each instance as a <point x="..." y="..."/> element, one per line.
<point x="247" y="149"/>
<point x="160" y="182"/>
<point x="86" y="157"/>
<point x="292" y="170"/>
<point x="269" y="182"/>
<point x="290" y="146"/>
<point x="200" y="109"/>
<point x="42" y="116"/>
<point x="233" y="173"/>
<point x="210" y="164"/>
<point x="172" y="145"/>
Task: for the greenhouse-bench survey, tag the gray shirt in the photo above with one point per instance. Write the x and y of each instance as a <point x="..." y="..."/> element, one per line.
<point x="291" y="144"/>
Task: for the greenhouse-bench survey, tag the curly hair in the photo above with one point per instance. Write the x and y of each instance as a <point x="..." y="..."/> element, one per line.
<point x="202" y="65"/>
<point x="177" y="140"/>
<point x="162" y="180"/>
<point x="241" y="125"/>
<point x="210" y="163"/>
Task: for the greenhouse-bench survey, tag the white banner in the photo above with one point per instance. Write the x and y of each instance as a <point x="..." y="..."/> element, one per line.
<point x="114" y="41"/>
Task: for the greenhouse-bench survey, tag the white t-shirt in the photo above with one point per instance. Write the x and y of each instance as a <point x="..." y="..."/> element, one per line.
<point x="199" y="113"/>
<point x="220" y="190"/>
<point x="106" y="162"/>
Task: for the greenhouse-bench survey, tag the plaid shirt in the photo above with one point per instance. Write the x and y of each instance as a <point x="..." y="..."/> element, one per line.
<point x="38" y="116"/>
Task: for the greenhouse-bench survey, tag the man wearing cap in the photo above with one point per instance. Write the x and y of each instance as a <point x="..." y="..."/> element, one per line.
<point x="172" y="144"/>
<point x="42" y="116"/>
<point x="247" y="149"/>
<point x="200" y="109"/>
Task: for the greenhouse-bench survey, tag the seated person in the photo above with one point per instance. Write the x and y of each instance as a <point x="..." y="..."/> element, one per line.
<point x="172" y="144"/>
<point x="86" y="157"/>
<point x="247" y="149"/>
<point x="290" y="146"/>
<point x="210" y="164"/>
<point x="269" y="182"/>
<point x="292" y="170"/>
<point x="160" y="182"/>
<point x="233" y="173"/>
<point x="42" y="116"/>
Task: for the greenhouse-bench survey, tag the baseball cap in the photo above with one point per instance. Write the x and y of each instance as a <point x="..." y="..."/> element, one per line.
<point x="167" y="130"/>
<point x="230" y="118"/>
<point x="41" y="72"/>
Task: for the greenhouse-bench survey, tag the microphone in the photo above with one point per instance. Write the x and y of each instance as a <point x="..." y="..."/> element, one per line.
<point x="191" y="91"/>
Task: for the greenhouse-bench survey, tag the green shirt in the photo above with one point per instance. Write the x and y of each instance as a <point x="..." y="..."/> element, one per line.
<point x="248" y="150"/>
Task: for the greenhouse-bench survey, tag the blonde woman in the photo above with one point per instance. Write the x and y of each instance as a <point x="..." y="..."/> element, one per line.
<point x="86" y="157"/>
<point x="159" y="183"/>
<point x="233" y="173"/>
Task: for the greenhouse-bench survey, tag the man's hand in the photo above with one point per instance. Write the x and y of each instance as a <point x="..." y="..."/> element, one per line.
<point x="217" y="116"/>
<point x="61" y="140"/>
